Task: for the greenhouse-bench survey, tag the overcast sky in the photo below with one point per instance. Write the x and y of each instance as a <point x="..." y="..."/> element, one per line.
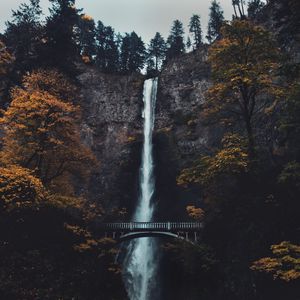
<point x="146" y="17"/>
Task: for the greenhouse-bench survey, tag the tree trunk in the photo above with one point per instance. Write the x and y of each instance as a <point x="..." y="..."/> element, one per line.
<point x="251" y="150"/>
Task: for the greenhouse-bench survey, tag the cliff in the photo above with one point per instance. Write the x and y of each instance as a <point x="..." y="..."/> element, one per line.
<point x="112" y="127"/>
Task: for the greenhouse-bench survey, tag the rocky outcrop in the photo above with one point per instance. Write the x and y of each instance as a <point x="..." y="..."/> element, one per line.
<point x="181" y="136"/>
<point x="112" y="128"/>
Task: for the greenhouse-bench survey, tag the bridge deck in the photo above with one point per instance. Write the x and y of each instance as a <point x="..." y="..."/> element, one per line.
<point x="157" y="226"/>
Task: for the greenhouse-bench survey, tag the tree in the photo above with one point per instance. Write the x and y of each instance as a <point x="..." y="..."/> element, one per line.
<point x="230" y="160"/>
<point x="6" y="60"/>
<point x="285" y="265"/>
<point x="175" y="40"/>
<point x="254" y="8"/>
<point x="133" y="53"/>
<point x="86" y="38"/>
<point x="125" y="52"/>
<point x="42" y="130"/>
<point x="112" y="51"/>
<point x="216" y="19"/>
<point x="239" y="9"/>
<point x="157" y="50"/>
<point x="244" y="65"/>
<point x="60" y="49"/>
<point x="107" y="58"/>
<point x="188" y="43"/>
<point x="19" y="188"/>
<point x="23" y="36"/>
<point x="195" y="30"/>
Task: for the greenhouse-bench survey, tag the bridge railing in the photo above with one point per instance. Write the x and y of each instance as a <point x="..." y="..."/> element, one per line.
<point x="147" y="226"/>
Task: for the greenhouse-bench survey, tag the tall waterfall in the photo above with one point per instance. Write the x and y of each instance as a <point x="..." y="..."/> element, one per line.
<point x="140" y="263"/>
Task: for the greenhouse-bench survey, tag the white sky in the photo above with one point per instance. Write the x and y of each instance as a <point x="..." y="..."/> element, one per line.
<point x="146" y="17"/>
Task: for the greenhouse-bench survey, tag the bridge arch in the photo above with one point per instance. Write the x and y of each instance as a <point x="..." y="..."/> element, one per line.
<point x="162" y="234"/>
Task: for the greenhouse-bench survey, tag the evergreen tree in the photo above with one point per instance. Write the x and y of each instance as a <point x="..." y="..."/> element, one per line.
<point x="216" y="19"/>
<point x="111" y="50"/>
<point x="195" y="30"/>
<point x="133" y="53"/>
<point x="107" y="58"/>
<point x="86" y="37"/>
<point x="176" y="40"/>
<point x="125" y="53"/>
<point x="157" y="51"/>
<point x="23" y="36"/>
<point x="239" y="9"/>
<point x="137" y="53"/>
<point x="188" y="43"/>
<point x="60" y="50"/>
<point x="254" y="7"/>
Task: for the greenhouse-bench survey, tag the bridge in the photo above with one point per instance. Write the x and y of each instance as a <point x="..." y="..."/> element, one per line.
<point x="188" y="231"/>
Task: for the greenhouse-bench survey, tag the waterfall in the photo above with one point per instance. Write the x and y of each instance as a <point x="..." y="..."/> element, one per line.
<point x="140" y="263"/>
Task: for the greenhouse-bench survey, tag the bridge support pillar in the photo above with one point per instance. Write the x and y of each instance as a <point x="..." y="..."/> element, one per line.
<point x="195" y="237"/>
<point x="114" y="235"/>
<point x="187" y="236"/>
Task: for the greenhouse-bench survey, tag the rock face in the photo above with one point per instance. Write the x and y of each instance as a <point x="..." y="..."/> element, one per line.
<point x="112" y="127"/>
<point x="181" y="137"/>
<point x="112" y="106"/>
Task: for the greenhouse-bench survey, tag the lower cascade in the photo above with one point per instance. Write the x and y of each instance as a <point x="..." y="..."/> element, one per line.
<point x="140" y="264"/>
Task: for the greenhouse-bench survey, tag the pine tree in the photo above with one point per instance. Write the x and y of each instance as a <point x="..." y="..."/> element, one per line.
<point x="216" y="19"/>
<point x="133" y="53"/>
<point x="111" y="49"/>
<point x="157" y="51"/>
<point x="239" y="9"/>
<point x="137" y="53"/>
<point x="195" y="30"/>
<point x="107" y="58"/>
<point x="86" y="38"/>
<point x="23" y="36"/>
<point x="125" y="53"/>
<point x="61" y="50"/>
<point x="188" y="43"/>
<point x="176" y="40"/>
<point x="254" y="8"/>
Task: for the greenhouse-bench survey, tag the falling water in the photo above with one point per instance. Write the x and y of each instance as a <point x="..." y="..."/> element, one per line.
<point x="140" y="263"/>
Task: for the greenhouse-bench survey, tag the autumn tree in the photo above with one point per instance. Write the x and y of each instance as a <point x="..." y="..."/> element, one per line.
<point x="175" y="41"/>
<point x="244" y="65"/>
<point x="231" y="159"/>
<point x="196" y="31"/>
<point x="285" y="263"/>
<point x="216" y="19"/>
<point x="19" y="188"/>
<point x="42" y="130"/>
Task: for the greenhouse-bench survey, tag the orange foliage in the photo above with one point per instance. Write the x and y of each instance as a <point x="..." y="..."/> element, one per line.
<point x="195" y="212"/>
<point x="285" y="265"/>
<point x="19" y="188"/>
<point x="231" y="159"/>
<point x="42" y="130"/>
